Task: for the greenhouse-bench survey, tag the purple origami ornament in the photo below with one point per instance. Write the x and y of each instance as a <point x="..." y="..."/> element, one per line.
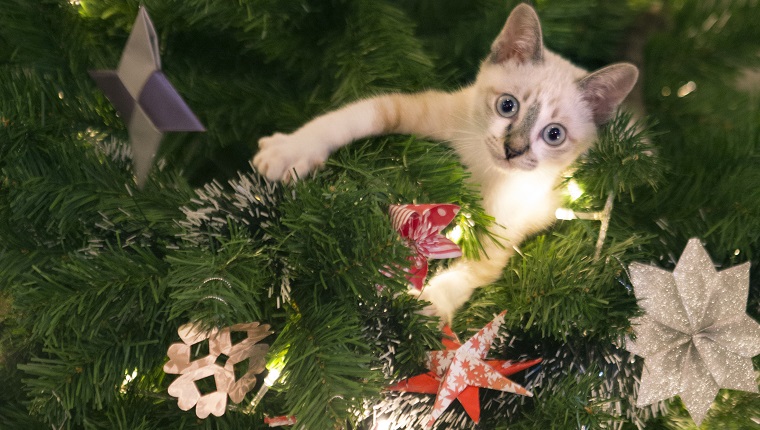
<point x="144" y="97"/>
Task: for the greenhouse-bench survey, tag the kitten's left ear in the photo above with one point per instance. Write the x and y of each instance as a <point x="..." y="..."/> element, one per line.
<point x="606" y="88"/>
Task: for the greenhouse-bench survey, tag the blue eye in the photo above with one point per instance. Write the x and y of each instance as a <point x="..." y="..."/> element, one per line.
<point x="507" y="106"/>
<point x="554" y="134"/>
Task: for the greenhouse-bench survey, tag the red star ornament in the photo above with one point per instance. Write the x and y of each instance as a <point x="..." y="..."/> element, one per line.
<point x="459" y="371"/>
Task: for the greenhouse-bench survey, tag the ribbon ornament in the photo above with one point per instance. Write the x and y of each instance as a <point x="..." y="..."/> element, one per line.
<point x="421" y="226"/>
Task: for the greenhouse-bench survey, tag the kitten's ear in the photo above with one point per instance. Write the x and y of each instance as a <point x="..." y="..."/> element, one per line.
<point x="606" y="88"/>
<point x="520" y="39"/>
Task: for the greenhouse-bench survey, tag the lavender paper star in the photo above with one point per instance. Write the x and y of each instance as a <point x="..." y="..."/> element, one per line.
<point x="144" y="98"/>
<point x="695" y="336"/>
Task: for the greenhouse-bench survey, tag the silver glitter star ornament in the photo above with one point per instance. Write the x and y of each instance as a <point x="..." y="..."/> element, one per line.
<point x="695" y="336"/>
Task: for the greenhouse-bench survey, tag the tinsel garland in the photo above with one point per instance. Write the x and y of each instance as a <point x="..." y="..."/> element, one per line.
<point x="249" y="201"/>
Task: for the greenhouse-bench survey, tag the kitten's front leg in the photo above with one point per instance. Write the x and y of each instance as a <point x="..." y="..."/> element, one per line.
<point x="449" y="289"/>
<point x="287" y="156"/>
<point x="281" y="156"/>
<point x="429" y="114"/>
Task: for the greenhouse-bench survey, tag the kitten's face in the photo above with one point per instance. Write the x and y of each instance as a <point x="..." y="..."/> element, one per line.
<point x="533" y="115"/>
<point x="534" y="109"/>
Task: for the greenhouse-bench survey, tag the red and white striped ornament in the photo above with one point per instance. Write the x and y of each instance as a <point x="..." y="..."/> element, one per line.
<point x="421" y="226"/>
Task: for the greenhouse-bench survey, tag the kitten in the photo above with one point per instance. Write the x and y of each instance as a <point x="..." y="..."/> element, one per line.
<point x="526" y="118"/>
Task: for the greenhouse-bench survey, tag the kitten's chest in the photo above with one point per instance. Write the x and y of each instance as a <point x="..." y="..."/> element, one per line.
<point x="523" y="203"/>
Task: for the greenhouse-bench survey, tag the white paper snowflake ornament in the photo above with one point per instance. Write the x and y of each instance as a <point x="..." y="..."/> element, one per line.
<point x="220" y="344"/>
<point x="695" y="336"/>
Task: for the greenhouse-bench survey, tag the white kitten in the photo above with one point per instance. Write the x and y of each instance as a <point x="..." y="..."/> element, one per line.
<point x="526" y="118"/>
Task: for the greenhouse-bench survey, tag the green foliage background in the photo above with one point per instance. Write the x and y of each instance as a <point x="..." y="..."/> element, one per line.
<point x="96" y="275"/>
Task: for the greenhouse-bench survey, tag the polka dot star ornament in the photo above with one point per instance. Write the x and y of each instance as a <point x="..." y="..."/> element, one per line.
<point x="695" y="336"/>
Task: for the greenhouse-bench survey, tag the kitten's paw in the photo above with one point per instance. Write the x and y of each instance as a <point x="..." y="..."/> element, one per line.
<point x="282" y="157"/>
<point x="438" y="307"/>
<point x="447" y="291"/>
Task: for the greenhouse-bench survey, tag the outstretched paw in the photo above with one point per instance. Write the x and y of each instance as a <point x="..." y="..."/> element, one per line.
<point x="282" y="157"/>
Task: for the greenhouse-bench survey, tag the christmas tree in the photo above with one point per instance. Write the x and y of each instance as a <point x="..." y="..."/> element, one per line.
<point x="101" y="277"/>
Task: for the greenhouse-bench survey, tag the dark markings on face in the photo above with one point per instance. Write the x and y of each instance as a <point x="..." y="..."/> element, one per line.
<point x="517" y="139"/>
<point x="531" y="116"/>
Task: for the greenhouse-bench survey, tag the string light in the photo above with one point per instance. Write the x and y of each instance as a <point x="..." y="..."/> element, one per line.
<point x="686" y="89"/>
<point x="569" y="214"/>
<point x="455" y="234"/>
<point x="274" y="369"/>
<point x="271" y="378"/>
<point x="128" y="377"/>
<point x="574" y="190"/>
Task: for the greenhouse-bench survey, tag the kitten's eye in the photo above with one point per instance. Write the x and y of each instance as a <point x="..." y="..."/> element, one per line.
<point x="554" y="134"/>
<point x="507" y="106"/>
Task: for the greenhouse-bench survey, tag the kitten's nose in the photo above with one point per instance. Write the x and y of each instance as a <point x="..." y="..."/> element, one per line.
<point x="512" y="152"/>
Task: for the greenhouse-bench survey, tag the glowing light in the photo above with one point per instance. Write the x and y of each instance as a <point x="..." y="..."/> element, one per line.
<point x="687" y="89"/>
<point x="128" y="377"/>
<point x="382" y="424"/>
<point x="75" y="2"/>
<point x="455" y="234"/>
<point x="574" y="190"/>
<point x="275" y="366"/>
<point x="275" y="369"/>
<point x="569" y="214"/>
<point x="272" y="377"/>
<point x="565" y="214"/>
<point x="60" y="95"/>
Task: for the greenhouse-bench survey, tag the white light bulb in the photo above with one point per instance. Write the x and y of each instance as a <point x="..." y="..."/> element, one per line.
<point x="574" y="190"/>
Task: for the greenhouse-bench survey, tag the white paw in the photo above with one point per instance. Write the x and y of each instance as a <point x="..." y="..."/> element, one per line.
<point x="438" y="307"/>
<point x="282" y="157"/>
<point x="447" y="291"/>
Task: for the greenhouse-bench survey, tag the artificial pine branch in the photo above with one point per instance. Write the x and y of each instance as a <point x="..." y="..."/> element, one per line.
<point x="330" y="362"/>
